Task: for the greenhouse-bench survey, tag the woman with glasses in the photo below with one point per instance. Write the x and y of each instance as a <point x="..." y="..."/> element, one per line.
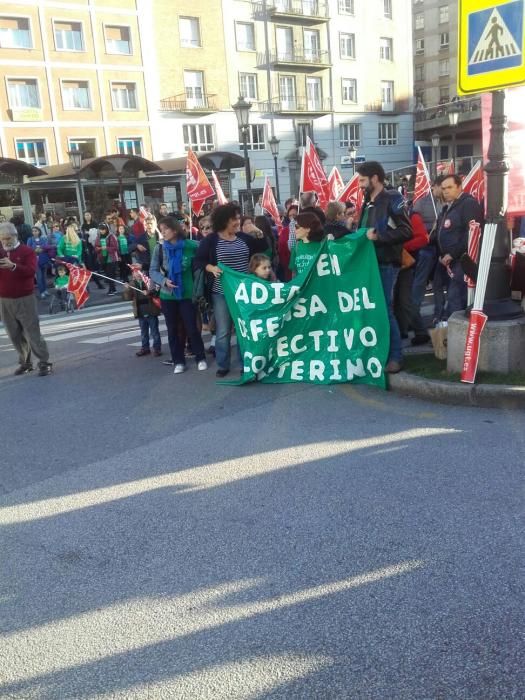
<point x="205" y="227"/>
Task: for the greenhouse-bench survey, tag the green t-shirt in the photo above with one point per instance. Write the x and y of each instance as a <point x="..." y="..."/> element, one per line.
<point x="152" y="242"/>
<point x="123" y="244"/>
<point x="188" y="253"/>
<point x="302" y="255"/>
<point x="61" y="281"/>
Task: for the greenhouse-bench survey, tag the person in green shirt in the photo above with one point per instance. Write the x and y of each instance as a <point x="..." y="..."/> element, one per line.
<point x="172" y="269"/>
<point x="310" y="234"/>
<point x="70" y="245"/>
<point x="124" y="242"/>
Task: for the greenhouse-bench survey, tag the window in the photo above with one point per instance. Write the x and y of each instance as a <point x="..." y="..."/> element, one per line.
<point x="349" y="89"/>
<point x="245" y="36"/>
<point x="33" y="152"/>
<point x="198" y="137"/>
<point x="349" y="135"/>
<point x="444" y="94"/>
<point x="420" y="47"/>
<point x="190" y="36"/>
<point x="387" y="8"/>
<point x="444" y="40"/>
<point x="314" y="94"/>
<point x="303" y="130"/>
<point x="387" y="134"/>
<point x="124" y="95"/>
<point x="118" y="40"/>
<point x="15" y="33"/>
<point x="255" y="140"/>
<point x="385" y="49"/>
<point x="346" y="7"/>
<point x="23" y="93"/>
<point x="194" y="89"/>
<point x="130" y="147"/>
<point x="87" y="146"/>
<point x="75" y="94"/>
<point x="248" y="86"/>
<point x="347" y="45"/>
<point x="68" y="36"/>
<point x="419" y="72"/>
<point x="443" y="14"/>
<point x="312" y="45"/>
<point x="464" y="150"/>
<point x="444" y="67"/>
<point x="387" y="95"/>
<point x="419" y="20"/>
<point x="287" y="92"/>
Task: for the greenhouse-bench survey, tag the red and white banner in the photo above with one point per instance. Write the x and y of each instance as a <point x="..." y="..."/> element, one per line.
<point x="474" y="182"/>
<point x="336" y="184"/>
<point x="351" y="191"/>
<point x="78" y="281"/>
<point x="269" y="204"/>
<point x="451" y="169"/>
<point x="198" y="187"/>
<point x="313" y="176"/>
<point x="474" y="235"/>
<point x="221" y="197"/>
<point x="514" y="101"/>
<point x="471" y="357"/>
<point x="422" y="186"/>
<point x="150" y="286"/>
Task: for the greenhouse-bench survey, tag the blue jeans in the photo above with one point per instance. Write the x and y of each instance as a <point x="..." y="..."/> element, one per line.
<point x="149" y="324"/>
<point x="456" y="290"/>
<point x="224" y="326"/>
<point x="41" y="279"/>
<point x="426" y="262"/>
<point x="389" y="274"/>
<point x="182" y="311"/>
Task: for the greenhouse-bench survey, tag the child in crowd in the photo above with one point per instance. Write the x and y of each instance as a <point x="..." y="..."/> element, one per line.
<point x="146" y="311"/>
<point x="310" y="233"/>
<point x="61" y="282"/>
<point x="261" y="266"/>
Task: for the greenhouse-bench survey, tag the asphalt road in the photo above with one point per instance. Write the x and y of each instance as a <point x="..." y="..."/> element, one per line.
<point x="163" y="536"/>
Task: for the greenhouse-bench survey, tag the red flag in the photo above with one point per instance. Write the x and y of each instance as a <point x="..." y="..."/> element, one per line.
<point x="78" y="281"/>
<point x="351" y="191"/>
<point x="422" y="186"/>
<point x="218" y="189"/>
<point x="336" y="184"/>
<point x="476" y="325"/>
<point x="474" y="235"/>
<point x="150" y="285"/>
<point x="268" y="203"/>
<point x="451" y="169"/>
<point x="313" y="176"/>
<point x="198" y="187"/>
<point x="474" y="183"/>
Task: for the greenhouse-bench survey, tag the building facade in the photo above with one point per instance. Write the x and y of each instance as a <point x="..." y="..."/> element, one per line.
<point x="438" y="106"/>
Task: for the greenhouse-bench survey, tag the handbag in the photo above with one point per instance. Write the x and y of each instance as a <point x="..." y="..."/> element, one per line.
<point x="407" y="260"/>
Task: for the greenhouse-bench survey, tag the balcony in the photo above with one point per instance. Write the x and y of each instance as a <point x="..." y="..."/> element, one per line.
<point x="299" y="106"/>
<point x="437" y="116"/>
<point x="204" y="104"/>
<point x="299" y="58"/>
<point x="396" y="107"/>
<point x="301" y="11"/>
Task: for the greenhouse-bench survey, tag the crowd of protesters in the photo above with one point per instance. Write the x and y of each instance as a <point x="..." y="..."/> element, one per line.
<point x="169" y="262"/>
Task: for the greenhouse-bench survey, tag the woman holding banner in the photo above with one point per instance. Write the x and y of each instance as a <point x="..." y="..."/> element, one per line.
<point x="229" y="246"/>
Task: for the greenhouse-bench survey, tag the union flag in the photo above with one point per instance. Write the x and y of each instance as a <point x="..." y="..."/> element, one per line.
<point x="336" y="184"/>
<point x="221" y="197"/>
<point x="474" y="183"/>
<point x="313" y="176"/>
<point x="269" y="203"/>
<point x="78" y="281"/>
<point x="422" y="186"/>
<point x="198" y="186"/>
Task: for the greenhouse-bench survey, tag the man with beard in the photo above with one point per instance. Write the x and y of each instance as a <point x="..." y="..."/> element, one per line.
<point x="17" y="302"/>
<point x="384" y="215"/>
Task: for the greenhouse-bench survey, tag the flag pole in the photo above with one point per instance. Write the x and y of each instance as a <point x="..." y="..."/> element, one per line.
<point x="428" y="180"/>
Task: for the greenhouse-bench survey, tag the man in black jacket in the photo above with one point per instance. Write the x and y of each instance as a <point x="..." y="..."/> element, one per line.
<point x="389" y="228"/>
<point x="452" y="240"/>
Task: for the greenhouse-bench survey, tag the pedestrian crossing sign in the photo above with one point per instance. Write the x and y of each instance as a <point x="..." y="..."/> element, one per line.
<point x="491" y="45"/>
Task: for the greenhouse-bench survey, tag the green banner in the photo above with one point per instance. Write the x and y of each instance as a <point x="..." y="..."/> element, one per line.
<point x="328" y="325"/>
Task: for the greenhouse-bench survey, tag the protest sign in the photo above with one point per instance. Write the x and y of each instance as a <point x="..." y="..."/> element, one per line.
<point x="328" y="325"/>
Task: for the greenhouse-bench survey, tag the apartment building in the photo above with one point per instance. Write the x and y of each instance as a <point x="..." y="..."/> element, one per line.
<point x="454" y="122"/>
<point x="72" y="77"/>
<point x="338" y="71"/>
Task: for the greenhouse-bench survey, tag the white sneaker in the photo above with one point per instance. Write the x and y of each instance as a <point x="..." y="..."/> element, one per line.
<point x="179" y="369"/>
<point x="202" y="365"/>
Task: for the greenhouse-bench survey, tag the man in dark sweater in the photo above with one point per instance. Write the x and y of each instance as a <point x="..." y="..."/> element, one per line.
<point x="17" y="302"/>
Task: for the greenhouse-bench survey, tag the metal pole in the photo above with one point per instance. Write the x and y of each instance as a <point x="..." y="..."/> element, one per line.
<point x="454" y="147"/>
<point x="276" y="179"/>
<point x="247" y="172"/>
<point x="498" y="302"/>
<point x="353" y="167"/>
<point x="82" y="203"/>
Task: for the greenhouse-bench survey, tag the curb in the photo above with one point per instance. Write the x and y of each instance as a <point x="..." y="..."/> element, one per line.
<point x="478" y="395"/>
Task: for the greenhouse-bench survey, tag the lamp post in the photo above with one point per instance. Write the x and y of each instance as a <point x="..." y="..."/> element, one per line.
<point x="274" y="148"/>
<point x="242" y="112"/>
<point x="352" y="152"/>
<point x="75" y="159"/>
<point x="435" y="138"/>
<point x="453" y="119"/>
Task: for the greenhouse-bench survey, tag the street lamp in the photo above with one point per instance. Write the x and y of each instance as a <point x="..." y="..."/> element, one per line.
<point x="274" y="148"/>
<point x="352" y="152"/>
<point x="242" y="112"/>
<point x="453" y="119"/>
<point x="75" y="159"/>
<point x="435" y="138"/>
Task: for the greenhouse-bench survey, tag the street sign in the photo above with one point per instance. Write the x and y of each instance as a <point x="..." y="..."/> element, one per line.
<point x="491" y="45"/>
<point x="346" y="161"/>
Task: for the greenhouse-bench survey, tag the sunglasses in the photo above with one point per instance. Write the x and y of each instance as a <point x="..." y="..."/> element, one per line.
<point x="204" y="228"/>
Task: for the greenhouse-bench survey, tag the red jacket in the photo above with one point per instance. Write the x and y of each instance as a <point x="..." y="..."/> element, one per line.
<point x="19" y="282"/>
<point x="420" y="238"/>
